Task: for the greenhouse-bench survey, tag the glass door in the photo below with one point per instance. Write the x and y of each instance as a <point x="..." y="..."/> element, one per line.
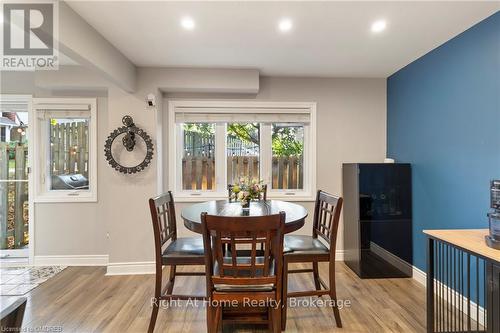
<point x="14" y="185"/>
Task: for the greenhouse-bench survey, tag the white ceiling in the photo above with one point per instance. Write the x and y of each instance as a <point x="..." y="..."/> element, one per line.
<point x="327" y="39"/>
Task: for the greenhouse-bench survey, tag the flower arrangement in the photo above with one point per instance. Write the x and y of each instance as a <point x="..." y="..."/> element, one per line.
<point x="247" y="190"/>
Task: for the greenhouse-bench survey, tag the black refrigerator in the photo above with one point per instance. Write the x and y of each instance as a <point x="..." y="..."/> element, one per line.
<point x="378" y="219"/>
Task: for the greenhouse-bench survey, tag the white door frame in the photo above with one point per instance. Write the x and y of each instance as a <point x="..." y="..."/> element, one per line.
<point x="27" y="101"/>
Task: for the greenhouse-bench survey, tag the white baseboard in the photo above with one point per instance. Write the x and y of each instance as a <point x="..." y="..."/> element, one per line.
<point x="148" y="267"/>
<point x="421" y="277"/>
<point x="71" y="260"/>
<point x="131" y="268"/>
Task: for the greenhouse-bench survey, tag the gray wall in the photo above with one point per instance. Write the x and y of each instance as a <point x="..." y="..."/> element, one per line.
<point x="118" y="224"/>
<point x="74" y="228"/>
<point x="351" y="124"/>
<point x="351" y="127"/>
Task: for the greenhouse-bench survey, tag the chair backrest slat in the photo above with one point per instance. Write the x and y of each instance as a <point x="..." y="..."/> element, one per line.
<point x="162" y="210"/>
<point x="238" y="233"/>
<point x="218" y="251"/>
<point x="266" y="254"/>
<point x="253" y="255"/>
<point x="326" y="218"/>
<point x="233" y="255"/>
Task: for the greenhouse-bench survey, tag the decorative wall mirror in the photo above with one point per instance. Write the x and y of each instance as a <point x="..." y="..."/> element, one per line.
<point x="122" y="156"/>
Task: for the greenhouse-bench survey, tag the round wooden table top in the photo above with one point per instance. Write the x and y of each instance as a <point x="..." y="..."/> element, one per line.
<point x="295" y="214"/>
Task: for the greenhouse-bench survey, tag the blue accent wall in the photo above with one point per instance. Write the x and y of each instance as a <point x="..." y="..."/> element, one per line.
<point x="444" y="118"/>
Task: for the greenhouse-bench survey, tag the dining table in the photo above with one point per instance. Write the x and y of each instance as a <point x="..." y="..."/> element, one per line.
<point x="294" y="219"/>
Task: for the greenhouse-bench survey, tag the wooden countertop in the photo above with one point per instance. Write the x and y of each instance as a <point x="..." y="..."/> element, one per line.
<point x="471" y="240"/>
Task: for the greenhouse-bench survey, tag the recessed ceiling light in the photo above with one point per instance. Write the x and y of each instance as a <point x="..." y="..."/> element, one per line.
<point x="285" y="25"/>
<point x="187" y="23"/>
<point x="379" y="26"/>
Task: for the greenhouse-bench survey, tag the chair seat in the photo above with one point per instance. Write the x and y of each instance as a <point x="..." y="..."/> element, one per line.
<point x="302" y="244"/>
<point x="185" y="247"/>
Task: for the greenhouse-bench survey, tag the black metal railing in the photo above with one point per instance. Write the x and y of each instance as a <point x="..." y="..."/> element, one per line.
<point x="459" y="287"/>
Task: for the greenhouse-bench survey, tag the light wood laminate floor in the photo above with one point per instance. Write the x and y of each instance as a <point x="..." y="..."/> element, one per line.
<point x="83" y="299"/>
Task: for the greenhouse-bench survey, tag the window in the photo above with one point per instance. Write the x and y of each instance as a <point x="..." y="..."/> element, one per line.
<point x="288" y="156"/>
<point x="242" y="151"/>
<point x="66" y="132"/>
<point x="216" y="143"/>
<point x="198" y="160"/>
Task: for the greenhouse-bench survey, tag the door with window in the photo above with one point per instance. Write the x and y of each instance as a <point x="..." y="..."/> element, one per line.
<point x="15" y="199"/>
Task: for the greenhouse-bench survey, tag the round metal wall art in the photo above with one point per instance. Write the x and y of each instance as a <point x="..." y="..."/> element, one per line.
<point x="131" y="132"/>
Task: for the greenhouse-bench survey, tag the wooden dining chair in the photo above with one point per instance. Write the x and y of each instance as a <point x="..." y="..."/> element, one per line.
<point x="171" y="251"/>
<point x="263" y="195"/>
<point x="236" y="278"/>
<point x="309" y="249"/>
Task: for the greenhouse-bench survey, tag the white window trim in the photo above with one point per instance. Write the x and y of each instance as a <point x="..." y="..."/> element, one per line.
<point x="242" y="106"/>
<point x="41" y="193"/>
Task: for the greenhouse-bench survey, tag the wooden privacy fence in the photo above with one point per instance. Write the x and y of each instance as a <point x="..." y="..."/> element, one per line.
<point x="13" y="196"/>
<point x="69" y="148"/>
<point x="242" y="166"/>
<point x="288" y="172"/>
<point x="196" y="144"/>
<point x="198" y="173"/>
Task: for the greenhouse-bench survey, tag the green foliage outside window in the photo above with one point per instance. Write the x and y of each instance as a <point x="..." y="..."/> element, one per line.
<point x="204" y="129"/>
<point x="286" y="140"/>
<point x="248" y="133"/>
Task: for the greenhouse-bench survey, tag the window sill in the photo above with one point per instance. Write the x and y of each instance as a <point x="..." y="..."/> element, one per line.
<point x="44" y="198"/>
<point x="202" y="198"/>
